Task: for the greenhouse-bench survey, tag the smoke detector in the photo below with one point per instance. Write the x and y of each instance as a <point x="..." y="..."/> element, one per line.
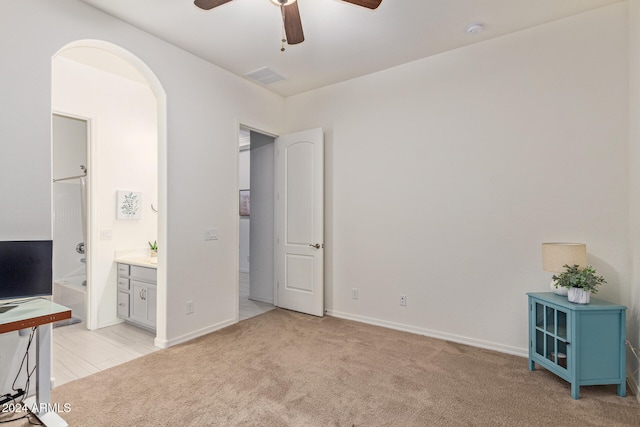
<point x="474" y="28"/>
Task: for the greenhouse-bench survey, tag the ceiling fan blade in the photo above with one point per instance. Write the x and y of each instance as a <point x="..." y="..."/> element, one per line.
<point x="369" y="4"/>
<point x="292" y="23"/>
<point x="209" y="4"/>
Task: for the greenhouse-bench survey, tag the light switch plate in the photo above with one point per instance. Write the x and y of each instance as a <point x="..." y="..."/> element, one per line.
<point x="210" y="234"/>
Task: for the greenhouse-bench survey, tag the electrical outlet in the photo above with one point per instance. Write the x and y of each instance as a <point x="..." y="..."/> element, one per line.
<point x="354" y="293"/>
<point x="403" y="300"/>
<point x="189" y="307"/>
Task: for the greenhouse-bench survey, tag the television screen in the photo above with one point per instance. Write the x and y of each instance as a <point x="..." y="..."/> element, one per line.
<point x="26" y="268"/>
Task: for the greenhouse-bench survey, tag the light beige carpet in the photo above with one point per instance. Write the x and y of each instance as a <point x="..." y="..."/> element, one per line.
<point x="288" y="369"/>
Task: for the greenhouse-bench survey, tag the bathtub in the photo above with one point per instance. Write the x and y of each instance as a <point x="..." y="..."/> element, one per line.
<point x="68" y="291"/>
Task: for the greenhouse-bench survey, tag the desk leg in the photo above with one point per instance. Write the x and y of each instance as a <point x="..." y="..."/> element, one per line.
<point x="40" y="405"/>
<point x="43" y="359"/>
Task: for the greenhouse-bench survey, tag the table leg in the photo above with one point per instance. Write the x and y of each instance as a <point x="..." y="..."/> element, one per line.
<point x="575" y="390"/>
<point x="622" y="389"/>
<point x="40" y="405"/>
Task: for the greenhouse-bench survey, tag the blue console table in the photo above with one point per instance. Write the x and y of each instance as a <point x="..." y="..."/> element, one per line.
<point x="582" y="343"/>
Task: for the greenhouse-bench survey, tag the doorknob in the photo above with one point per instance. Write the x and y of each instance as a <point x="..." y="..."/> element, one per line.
<point x="317" y="245"/>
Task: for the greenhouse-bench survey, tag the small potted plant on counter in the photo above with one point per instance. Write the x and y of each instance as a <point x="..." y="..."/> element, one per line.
<point x="581" y="282"/>
<point x="153" y="248"/>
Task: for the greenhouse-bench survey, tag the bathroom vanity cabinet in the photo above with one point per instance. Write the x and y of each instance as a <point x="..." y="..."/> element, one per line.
<point x="137" y="295"/>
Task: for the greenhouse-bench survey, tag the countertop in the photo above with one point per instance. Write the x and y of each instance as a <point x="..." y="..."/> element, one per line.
<point x="144" y="261"/>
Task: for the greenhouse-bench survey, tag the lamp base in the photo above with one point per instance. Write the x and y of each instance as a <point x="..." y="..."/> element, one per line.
<point x="559" y="290"/>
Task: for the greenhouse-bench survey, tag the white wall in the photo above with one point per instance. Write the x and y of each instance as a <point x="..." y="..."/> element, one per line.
<point x="633" y="314"/>
<point x="124" y="156"/>
<point x="69" y="148"/>
<point x="445" y="175"/>
<point x="262" y="231"/>
<point x="205" y="106"/>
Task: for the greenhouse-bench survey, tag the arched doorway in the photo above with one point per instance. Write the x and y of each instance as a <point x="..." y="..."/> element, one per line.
<point x="118" y="156"/>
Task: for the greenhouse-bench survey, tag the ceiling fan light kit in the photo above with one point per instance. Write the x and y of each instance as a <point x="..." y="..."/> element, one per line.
<point x="290" y="15"/>
<point x="283" y="2"/>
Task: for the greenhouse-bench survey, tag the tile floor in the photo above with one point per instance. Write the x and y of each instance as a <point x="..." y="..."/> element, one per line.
<point x="249" y="308"/>
<point x="78" y="352"/>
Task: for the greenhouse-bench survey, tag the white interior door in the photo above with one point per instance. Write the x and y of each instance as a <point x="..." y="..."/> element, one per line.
<point x="300" y="222"/>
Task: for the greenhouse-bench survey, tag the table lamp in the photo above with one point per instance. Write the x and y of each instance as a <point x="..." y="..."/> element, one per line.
<point x="556" y="255"/>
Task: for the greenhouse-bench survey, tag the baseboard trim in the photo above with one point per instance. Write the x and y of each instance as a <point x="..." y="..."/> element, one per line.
<point x="192" y="335"/>
<point x="522" y="352"/>
<point x="109" y="323"/>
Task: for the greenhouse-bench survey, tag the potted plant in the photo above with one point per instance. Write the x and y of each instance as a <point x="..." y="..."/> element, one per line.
<point x="581" y="282"/>
<point x="153" y="248"/>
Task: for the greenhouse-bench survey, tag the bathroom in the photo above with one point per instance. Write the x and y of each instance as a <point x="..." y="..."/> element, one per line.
<point x="69" y="205"/>
<point x="102" y="97"/>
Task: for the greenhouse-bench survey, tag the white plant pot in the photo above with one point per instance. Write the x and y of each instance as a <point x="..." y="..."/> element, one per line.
<point x="559" y="290"/>
<point x="579" y="295"/>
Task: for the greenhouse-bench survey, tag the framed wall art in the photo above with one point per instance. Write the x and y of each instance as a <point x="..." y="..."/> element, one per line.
<point x="128" y="205"/>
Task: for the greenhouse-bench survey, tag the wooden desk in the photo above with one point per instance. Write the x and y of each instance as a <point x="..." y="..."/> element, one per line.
<point x="40" y="313"/>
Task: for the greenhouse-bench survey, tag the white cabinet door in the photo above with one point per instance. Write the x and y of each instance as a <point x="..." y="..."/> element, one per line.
<point x="123" y="304"/>
<point x="143" y="303"/>
<point x="139" y="302"/>
<point x="151" y="305"/>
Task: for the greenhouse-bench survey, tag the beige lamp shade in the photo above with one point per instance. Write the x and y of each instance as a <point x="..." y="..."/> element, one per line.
<point x="556" y="255"/>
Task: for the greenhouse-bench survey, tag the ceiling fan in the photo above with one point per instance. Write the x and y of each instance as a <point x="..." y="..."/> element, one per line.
<point x="290" y="14"/>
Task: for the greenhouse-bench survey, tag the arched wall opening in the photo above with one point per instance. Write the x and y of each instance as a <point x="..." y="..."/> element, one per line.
<point x="76" y="64"/>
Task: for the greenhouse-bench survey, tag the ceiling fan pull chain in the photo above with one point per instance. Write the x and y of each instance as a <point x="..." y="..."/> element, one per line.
<point x="284" y="37"/>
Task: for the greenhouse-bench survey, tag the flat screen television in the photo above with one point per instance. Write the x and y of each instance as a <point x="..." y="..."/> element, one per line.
<point x="26" y="269"/>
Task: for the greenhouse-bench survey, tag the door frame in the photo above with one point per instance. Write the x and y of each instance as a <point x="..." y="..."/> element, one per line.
<point x="240" y="125"/>
<point x="91" y="306"/>
<point x="250" y="128"/>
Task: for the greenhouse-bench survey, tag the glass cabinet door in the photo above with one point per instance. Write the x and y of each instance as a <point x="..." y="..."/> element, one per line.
<point x="551" y="334"/>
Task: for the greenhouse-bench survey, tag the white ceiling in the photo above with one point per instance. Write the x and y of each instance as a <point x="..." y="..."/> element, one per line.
<point x="343" y="41"/>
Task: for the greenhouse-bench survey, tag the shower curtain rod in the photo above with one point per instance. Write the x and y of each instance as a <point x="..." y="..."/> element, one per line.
<point x="73" y="177"/>
<point x="70" y="177"/>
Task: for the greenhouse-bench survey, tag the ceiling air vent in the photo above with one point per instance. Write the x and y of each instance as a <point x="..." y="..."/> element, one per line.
<point x="265" y="76"/>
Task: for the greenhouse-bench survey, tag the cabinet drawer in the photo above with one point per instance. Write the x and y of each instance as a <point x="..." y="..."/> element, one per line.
<point x="123" y="304"/>
<point x="123" y="270"/>
<point x="143" y="273"/>
<point x="123" y="283"/>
